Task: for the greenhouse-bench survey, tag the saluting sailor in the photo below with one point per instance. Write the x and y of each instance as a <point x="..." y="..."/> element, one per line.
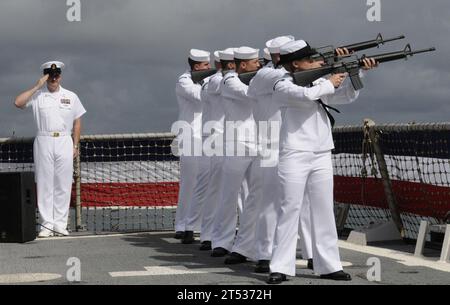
<point x="190" y="112"/>
<point x="305" y="162"/>
<point x="57" y="114"/>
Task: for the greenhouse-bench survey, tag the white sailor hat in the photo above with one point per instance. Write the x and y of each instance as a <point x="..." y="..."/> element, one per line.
<point x="227" y="54"/>
<point x="295" y="50"/>
<point x="274" y="44"/>
<point x="199" y="55"/>
<point x="53" y="65"/>
<point x="245" y="53"/>
<point x="267" y="54"/>
<point x="216" y="56"/>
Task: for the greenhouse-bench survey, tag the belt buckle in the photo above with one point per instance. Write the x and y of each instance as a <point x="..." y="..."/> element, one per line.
<point x="55" y="134"/>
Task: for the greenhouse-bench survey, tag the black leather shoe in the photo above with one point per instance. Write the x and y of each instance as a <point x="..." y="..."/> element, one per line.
<point x="188" y="237"/>
<point x="337" y="276"/>
<point x="276" y="278"/>
<point x="262" y="266"/>
<point x="310" y="264"/>
<point x="219" y="252"/>
<point x="179" y="235"/>
<point x="235" y="258"/>
<point x="206" y="245"/>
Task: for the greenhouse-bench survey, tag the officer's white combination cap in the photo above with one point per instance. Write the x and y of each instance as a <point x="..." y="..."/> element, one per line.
<point x="216" y="56"/>
<point x="245" y="53"/>
<point x="49" y="64"/>
<point x="274" y="44"/>
<point x="227" y="54"/>
<point x="267" y="54"/>
<point x="292" y="46"/>
<point x="199" y="55"/>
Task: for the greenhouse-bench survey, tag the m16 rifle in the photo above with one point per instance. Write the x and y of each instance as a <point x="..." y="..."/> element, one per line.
<point x="247" y="77"/>
<point x="329" y="55"/>
<point x="198" y="76"/>
<point x="352" y="64"/>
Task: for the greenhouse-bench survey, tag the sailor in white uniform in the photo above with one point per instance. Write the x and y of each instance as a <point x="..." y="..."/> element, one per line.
<point x="241" y="163"/>
<point x="200" y="204"/>
<point x="267" y="112"/>
<point x="194" y="215"/>
<point x="190" y="112"/>
<point x="305" y="163"/>
<point x="57" y="114"/>
<point x="213" y="128"/>
<point x="212" y="125"/>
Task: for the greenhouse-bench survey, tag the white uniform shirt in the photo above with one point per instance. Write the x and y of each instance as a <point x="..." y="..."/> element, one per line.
<point x="189" y="103"/>
<point x="238" y="107"/>
<point x="55" y="111"/>
<point x="261" y="90"/>
<point x="212" y="105"/>
<point x="305" y="124"/>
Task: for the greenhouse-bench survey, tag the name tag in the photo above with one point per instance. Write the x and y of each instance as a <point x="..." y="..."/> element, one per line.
<point x="65" y="104"/>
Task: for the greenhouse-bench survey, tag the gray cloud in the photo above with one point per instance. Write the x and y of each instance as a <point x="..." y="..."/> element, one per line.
<point x="124" y="57"/>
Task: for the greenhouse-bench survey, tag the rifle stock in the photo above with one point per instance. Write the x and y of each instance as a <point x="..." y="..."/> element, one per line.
<point x="198" y="76"/>
<point x="247" y="77"/>
<point x="305" y="78"/>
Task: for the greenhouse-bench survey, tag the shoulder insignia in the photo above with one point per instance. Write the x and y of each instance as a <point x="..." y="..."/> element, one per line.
<point x="276" y="83"/>
<point x="227" y="78"/>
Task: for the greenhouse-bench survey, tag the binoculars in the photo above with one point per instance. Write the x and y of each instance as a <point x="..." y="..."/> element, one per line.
<point x="53" y="73"/>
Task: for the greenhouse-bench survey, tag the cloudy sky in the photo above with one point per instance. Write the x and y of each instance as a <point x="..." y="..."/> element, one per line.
<point x="124" y="57"/>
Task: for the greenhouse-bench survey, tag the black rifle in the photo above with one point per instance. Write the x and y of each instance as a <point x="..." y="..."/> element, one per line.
<point x="351" y="64"/>
<point x="198" y="76"/>
<point x="247" y="77"/>
<point x="329" y="55"/>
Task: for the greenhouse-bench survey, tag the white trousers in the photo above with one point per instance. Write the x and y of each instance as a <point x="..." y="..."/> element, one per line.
<point x="297" y="171"/>
<point x="200" y="187"/>
<point x="53" y="159"/>
<point x="214" y="196"/>
<point x="188" y="169"/>
<point x="235" y="171"/>
<point x="267" y="219"/>
<point x="304" y="228"/>
<point x="243" y="194"/>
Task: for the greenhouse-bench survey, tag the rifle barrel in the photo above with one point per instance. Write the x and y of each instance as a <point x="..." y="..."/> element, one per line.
<point x="394" y="38"/>
<point x="371" y="43"/>
<point x="385" y="57"/>
<point x="423" y="51"/>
